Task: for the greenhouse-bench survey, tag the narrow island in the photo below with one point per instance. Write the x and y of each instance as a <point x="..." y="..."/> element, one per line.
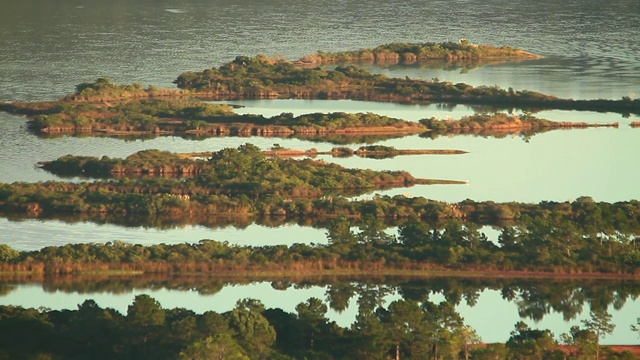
<point x="239" y="181"/>
<point x="409" y="53"/>
<point x="157" y="116"/>
<point x="261" y="77"/>
<point x="369" y="151"/>
<point x="582" y="238"/>
<point x="251" y="164"/>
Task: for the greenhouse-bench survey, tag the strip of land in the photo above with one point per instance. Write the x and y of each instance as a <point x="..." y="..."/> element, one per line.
<point x="409" y="53"/>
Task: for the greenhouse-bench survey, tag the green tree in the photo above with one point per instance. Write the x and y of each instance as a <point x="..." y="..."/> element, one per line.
<point x="370" y="334"/>
<point x="312" y="316"/>
<point x="217" y="347"/>
<point x="526" y="343"/>
<point x="406" y="327"/>
<point x="145" y="321"/>
<point x="600" y="324"/>
<point x="145" y="312"/>
<point x="7" y="253"/>
<point x="583" y="342"/>
<point x="465" y="337"/>
<point x="252" y="330"/>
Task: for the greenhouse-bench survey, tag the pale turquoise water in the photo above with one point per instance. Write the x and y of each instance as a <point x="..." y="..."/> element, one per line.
<point x="491" y="316"/>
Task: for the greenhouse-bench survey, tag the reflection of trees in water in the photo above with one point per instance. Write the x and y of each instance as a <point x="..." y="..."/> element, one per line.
<point x="169" y="222"/>
<point x="5" y="289"/>
<point x="535" y="298"/>
<point x="461" y="65"/>
<point x="339" y="295"/>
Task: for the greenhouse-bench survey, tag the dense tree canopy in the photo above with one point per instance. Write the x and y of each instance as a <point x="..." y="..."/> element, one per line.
<point x="405" y="329"/>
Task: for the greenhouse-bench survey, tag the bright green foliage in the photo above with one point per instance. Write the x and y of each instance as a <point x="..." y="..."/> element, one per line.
<point x="312" y="314"/>
<point x="7" y="254"/>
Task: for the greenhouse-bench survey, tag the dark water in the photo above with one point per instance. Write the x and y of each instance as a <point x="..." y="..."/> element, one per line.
<point x="590" y="48"/>
<point x="48" y="47"/>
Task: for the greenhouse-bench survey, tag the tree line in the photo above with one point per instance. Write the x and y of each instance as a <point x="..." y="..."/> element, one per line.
<point x="535" y="244"/>
<point x="405" y="329"/>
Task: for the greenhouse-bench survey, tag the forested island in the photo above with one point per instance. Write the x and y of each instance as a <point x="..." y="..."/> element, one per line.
<point x="155" y="116"/>
<point x="105" y="108"/>
<point x="166" y="164"/>
<point x="262" y="77"/>
<point x="583" y="237"/>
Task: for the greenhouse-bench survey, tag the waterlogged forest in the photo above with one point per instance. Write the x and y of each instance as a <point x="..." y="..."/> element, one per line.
<point x="367" y="237"/>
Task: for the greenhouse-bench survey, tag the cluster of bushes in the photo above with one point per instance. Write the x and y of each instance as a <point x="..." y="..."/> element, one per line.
<point x="488" y="121"/>
<point x="139" y="115"/>
<point x="104" y="86"/>
<point x="156" y="115"/>
<point x="143" y="162"/>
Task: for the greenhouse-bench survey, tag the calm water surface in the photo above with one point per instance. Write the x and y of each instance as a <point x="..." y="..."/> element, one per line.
<point x="557" y="165"/>
<point x="49" y="47"/>
<point x="481" y="316"/>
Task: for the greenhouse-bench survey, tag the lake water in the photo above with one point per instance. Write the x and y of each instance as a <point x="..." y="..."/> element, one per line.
<point x="590" y="50"/>
<point x="481" y="314"/>
<point x="49" y="47"/>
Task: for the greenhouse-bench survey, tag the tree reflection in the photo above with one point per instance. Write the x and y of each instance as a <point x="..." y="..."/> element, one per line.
<point x="534" y="298"/>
